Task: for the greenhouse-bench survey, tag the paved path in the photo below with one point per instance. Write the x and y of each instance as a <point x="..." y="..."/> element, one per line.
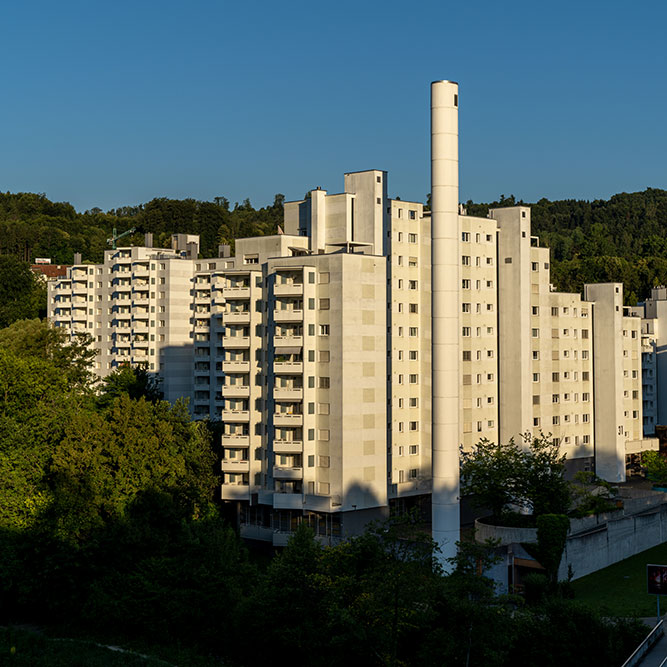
<point x="657" y="655"/>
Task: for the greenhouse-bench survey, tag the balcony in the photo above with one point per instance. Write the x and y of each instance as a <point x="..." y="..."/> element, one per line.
<point x="236" y="317"/>
<point x="235" y="366"/>
<point x="280" y="472"/>
<point x="282" y="342"/>
<point x="233" y="465"/>
<point x="235" y="342"/>
<point x="235" y="440"/>
<point x="241" y="292"/>
<point x="288" y="367"/>
<point x="284" y="419"/>
<point x="78" y="288"/>
<point x="236" y="391"/>
<point x="287" y="501"/>
<point x="288" y="315"/>
<point x="239" y="416"/>
<point x="287" y="447"/>
<point x="79" y="314"/>
<point x="235" y="492"/>
<point x="288" y="289"/>
<point x="140" y="300"/>
<point x="288" y="393"/>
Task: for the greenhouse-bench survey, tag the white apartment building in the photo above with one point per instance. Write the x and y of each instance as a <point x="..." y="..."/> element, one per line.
<point x="653" y="312"/>
<point x="349" y="358"/>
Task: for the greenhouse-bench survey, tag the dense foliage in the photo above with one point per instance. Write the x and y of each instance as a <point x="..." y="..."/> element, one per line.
<point x="22" y="294"/>
<point x="531" y="476"/>
<point x="108" y="526"/>
<point x="32" y="226"/>
<point x="623" y="239"/>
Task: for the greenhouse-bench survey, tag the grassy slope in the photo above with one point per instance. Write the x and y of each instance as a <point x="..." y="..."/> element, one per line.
<point x="620" y="589"/>
<point x="26" y="648"/>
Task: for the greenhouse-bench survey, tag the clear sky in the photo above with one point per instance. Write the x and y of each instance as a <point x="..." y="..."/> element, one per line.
<point x="114" y="103"/>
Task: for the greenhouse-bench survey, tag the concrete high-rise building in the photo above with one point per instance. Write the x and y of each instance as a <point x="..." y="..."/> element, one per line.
<point x="350" y="357"/>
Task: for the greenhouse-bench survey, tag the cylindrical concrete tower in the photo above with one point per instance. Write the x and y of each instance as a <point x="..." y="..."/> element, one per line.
<point x="445" y="285"/>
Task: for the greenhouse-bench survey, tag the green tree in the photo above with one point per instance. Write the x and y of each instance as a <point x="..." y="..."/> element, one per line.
<point x="490" y="474"/>
<point x="532" y="475"/>
<point x="656" y="467"/>
<point x="22" y="295"/>
<point x="37" y="339"/>
<point x="135" y="381"/>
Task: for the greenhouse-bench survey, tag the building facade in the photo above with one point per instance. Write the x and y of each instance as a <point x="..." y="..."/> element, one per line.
<point x="350" y="357"/>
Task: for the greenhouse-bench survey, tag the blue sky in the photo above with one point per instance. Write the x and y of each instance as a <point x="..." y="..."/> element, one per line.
<point x="108" y="104"/>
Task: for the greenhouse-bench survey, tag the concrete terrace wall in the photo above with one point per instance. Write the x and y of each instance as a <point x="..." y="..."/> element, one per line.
<point x="593" y="542"/>
<point x="613" y="540"/>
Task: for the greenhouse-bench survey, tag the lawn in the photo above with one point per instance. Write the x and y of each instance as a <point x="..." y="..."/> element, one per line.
<point x="620" y="589"/>
<point x="27" y="648"/>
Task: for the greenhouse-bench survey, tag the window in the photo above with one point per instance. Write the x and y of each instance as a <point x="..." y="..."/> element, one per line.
<point x="465" y="331"/>
<point x="412" y="284"/>
<point x="324" y="304"/>
<point x="324" y="329"/>
<point x="467" y="355"/>
<point x="413" y="426"/>
<point x="413" y="308"/>
<point x="535" y="333"/>
<point x="413" y="215"/>
<point x="413" y="355"/>
<point x="413" y="378"/>
<point x="535" y="310"/>
<point x="413" y="331"/>
<point x="465" y="260"/>
<point x="534" y="266"/>
<point x="324" y="382"/>
<point x="536" y="377"/>
<point x="536" y="355"/>
<point x="414" y="449"/>
<point x="554" y="377"/>
<point x="555" y="398"/>
<point x="465" y="237"/>
<point x="465" y="284"/>
<point x="414" y="402"/>
<point x="412" y="238"/>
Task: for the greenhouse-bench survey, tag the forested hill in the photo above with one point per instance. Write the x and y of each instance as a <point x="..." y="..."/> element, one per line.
<point x="32" y="226"/>
<point x="621" y="239"/>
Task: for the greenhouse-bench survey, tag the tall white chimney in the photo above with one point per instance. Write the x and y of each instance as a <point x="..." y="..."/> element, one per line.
<point x="445" y="284"/>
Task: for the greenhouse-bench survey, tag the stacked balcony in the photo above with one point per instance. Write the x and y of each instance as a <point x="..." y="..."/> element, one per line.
<point x="236" y="337"/>
<point x="287" y="336"/>
<point x="237" y="385"/>
<point x="141" y="270"/>
<point x="236" y="312"/>
<point x="288" y="283"/>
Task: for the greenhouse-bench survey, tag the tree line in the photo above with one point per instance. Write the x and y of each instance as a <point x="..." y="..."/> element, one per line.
<point x="33" y="226"/>
<point x="622" y="239"/>
<point x="109" y="525"/>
